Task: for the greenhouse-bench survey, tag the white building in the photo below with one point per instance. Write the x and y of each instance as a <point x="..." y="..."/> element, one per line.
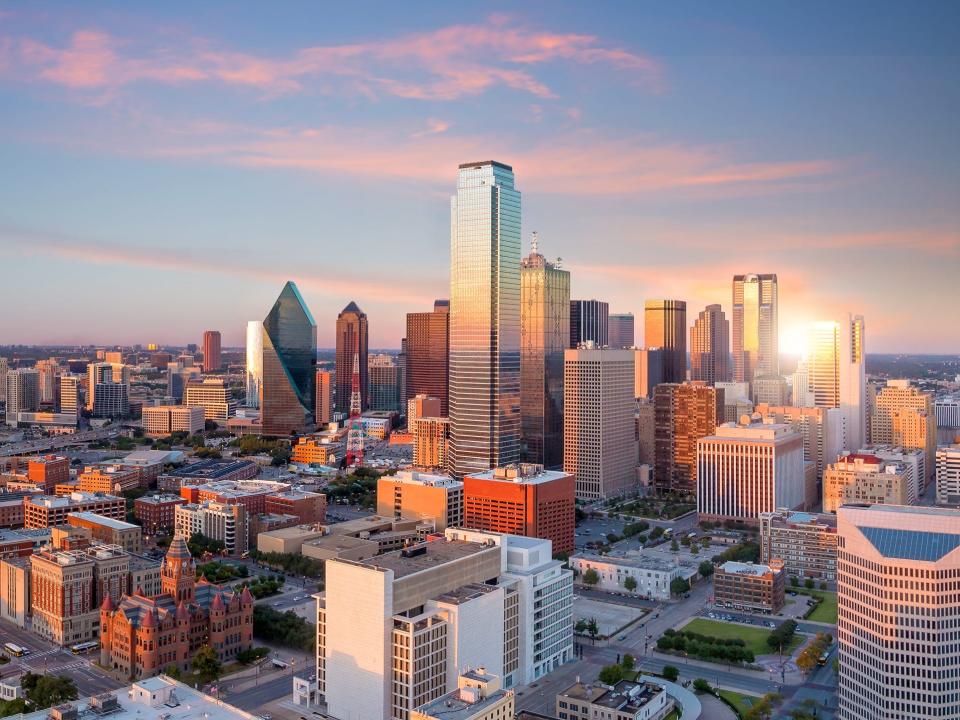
<point x="254" y="372"/>
<point x="395" y="631"/>
<point x="225" y="522"/>
<point x="213" y="395"/>
<point x="745" y="469"/>
<point x="897" y="570"/>
<point x="913" y="460"/>
<point x="161" y="420"/>
<point x="599" y="444"/>
<point x="652" y="575"/>
<point x="948" y="475"/>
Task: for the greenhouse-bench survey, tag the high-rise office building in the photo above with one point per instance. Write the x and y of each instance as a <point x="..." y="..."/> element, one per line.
<point x="254" y="365"/>
<point x="589" y="322"/>
<point x="4" y="369"/>
<point x="383" y="377"/>
<point x="745" y="469"/>
<point x="800" y="395"/>
<point x="23" y="393"/>
<point x="352" y="338"/>
<point x="69" y="394"/>
<point x="770" y="389"/>
<point x="710" y="346"/>
<point x="904" y="416"/>
<point x="48" y="371"/>
<point x="484" y="319"/>
<point x="648" y="371"/>
<point x="177" y="378"/>
<point x="897" y="570"/>
<point x="599" y="442"/>
<point x="822" y="430"/>
<point x="97" y="373"/>
<point x="665" y="327"/>
<point x="948" y="475"/>
<point x="544" y="333"/>
<point x="111" y="400"/>
<point x="213" y="395"/>
<point x="211" y="351"/>
<point x="836" y="373"/>
<point x="323" y="412"/>
<point x="289" y="341"/>
<point x="683" y="413"/>
<point x="427" y="353"/>
<point x="754" y="331"/>
<point x="621" y="331"/>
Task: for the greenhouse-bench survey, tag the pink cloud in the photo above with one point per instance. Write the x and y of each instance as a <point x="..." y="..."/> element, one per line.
<point x="442" y="64"/>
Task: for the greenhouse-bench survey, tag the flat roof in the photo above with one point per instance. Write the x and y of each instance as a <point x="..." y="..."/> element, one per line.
<point x="481" y="163"/>
<point x="102" y="520"/>
<point x="451" y="707"/>
<point x="641" y="562"/>
<point x="435" y="553"/>
<point x="739" y="568"/>
<point x="535" y="478"/>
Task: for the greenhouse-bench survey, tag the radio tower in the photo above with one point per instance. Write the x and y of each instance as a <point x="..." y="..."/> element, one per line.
<point x="355" y="433"/>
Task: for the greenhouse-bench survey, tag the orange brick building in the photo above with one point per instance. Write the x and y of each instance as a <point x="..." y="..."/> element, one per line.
<point x="522" y="500"/>
<point x="141" y="636"/>
<point x="48" y="470"/>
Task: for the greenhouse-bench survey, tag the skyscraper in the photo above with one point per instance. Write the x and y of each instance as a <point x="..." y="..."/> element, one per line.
<point x="383" y="392"/>
<point x="69" y="393"/>
<point x="897" y="612"/>
<point x="352" y="338"/>
<point x="710" y="346"/>
<point x="323" y="413"/>
<point x="97" y="373"/>
<point x="755" y="349"/>
<point x="289" y="342"/>
<point x="589" y="322"/>
<point x="23" y="393"/>
<point x="904" y="417"/>
<point x="648" y="366"/>
<point x="48" y="370"/>
<point x="254" y="372"/>
<point x="599" y="442"/>
<point x="683" y="413"/>
<point x="544" y="333"/>
<point x="484" y="319"/>
<point x="427" y="356"/>
<point x="665" y="327"/>
<point x="620" y="331"/>
<point x="211" y="351"/>
<point x="836" y="375"/>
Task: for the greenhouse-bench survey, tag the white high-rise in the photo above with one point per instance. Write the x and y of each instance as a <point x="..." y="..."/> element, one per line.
<point x="484" y="397"/>
<point x="254" y="374"/>
<point x="897" y="570"/>
<point x="835" y="374"/>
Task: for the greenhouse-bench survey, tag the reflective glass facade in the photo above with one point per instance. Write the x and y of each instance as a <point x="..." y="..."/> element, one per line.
<point x="665" y="327"/>
<point x="544" y="331"/>
<point x="352" y="336"/>
<point x="289" y="364"/>
<point x="589" y="322"/>
<point x="427" y="356"/>
<point x="254" y="374"/>
<point x="710" y="346"/>
<point x="755" y="347"/>
<point x="484" y="398"/>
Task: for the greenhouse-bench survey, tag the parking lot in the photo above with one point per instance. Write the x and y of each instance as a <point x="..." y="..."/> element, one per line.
<point x="610" y="617"/>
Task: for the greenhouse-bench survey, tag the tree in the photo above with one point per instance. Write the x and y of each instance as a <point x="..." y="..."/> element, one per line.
<point x="590" y="577"/>
<point x="794" y="581"/>
<point x="678" y="586"/>
<point x="630" y="583"/>
<point x="702" y="686"/>
<point x="580" y="627"/>
<point x="782" y="635"/>
<point x="209" y="425"/>
<point x="44" y="691"/>
<point x="628" y="662"/>
<point x="611" y="674"/>
<point x="593" y="630"/>
<point x="674" y="547"/>
<point x="670" y="673"/>
<point x="705" y="568"/>
<point x="280" y="456"/>
<point x="694" y="549"/>
<point x="823" y="584"/>
<point x="172" y="671"/>
<point x="207" y="662"/>
<point x="808" y="583"/>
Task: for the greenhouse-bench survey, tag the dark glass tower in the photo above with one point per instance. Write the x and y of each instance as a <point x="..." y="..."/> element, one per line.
<point x="289" y="364"/>
<point x="352" y="335"/>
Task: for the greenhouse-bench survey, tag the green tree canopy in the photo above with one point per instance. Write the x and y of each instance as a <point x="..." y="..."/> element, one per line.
<point x="590" y="577"/>
<point x="207" y="662"/>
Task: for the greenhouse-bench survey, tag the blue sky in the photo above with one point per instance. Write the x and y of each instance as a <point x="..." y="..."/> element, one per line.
<point x="165" y="168"/>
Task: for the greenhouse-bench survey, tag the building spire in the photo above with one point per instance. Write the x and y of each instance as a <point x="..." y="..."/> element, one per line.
<point x="533" y="243"/>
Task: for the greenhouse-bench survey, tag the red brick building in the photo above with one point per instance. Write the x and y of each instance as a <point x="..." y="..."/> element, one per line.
<point x="522" y="500"/>
<point x="143" y="635"/>
<point x="48" y="470"/>
<point x="156" y="512"/>
<point x="40" y="511"/>
<point x="307" y="506"/>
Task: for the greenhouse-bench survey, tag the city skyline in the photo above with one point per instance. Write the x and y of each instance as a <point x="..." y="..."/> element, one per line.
<point x="218" y="159"/>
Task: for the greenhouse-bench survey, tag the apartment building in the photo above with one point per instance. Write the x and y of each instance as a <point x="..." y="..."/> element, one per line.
<point x="162" y="420"/>
<point x="897" y="571"/>
<point x="948" y="475"/>
<point x="227" y="523"/>
<point x="903" y="415"/>
<point x="394" y="631"/>
<point x="862" y="478"/>
<point x="431" y="436"/>
<point x="805" y="542"/>
<point x="414" y="495"/>
<point x="522" y="499"/>
<point x="41" y="511"/>
<point x="751" y="587"/>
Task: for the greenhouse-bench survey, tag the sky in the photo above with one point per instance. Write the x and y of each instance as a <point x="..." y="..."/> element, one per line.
<point x="165" y="167"/>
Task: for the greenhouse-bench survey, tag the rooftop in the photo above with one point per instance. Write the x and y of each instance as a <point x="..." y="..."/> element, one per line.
<point x="101" y="520"/>
<point x="211" y="469"/>
<point x="164" y="498"/>
<point x="739" y="568"/>
<point x="524" y="473"/>
<point x="149" y="457"/>
<point x="74" y="498"/>
<point x="641" y="562"/>
<point x="413" y="477"/>
<point x="425" y="556"/>
<point x="462" y="703"/>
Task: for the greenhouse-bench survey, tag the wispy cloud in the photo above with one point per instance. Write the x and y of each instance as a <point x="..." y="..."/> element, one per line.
<point x="442" y="64"/>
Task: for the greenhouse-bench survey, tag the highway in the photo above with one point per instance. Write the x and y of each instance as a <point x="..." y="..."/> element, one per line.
<point x="43" y="445"/>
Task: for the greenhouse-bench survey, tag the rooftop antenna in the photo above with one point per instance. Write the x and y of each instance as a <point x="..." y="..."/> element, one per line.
<point x="533" y="243"/>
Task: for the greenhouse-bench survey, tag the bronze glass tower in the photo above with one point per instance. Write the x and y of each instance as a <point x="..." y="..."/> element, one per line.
<point x="484" y="319"/>
<point x="211" y="350"/>
<point x="427" y="355"/>
<point x="351" y="335"/>
<point x="755" y="350"/>
<point x="665" y="327"/>
<point x="289" y="364"/>
<point x="544" y="333"/>
<point x="710" y="346"/>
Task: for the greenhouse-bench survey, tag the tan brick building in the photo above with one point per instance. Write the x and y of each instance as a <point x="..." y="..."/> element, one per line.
<point x="40" y="511"/>
<point x="746" y="586"/>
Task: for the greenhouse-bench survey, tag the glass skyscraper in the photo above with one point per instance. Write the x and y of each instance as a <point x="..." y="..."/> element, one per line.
<point x="289" y="364"/>
<point x="254" y="373"/>
<point x="665" y="327"/>
<point x="352" y="338"/>
<point x="484" y="399"/>
<point x="544" y="332"/>
<point x="755" y="348"/>
<point x="589" y="322"/>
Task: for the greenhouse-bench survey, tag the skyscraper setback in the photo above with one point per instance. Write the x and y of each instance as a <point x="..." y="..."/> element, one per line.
<point x="665" y="327"/>
<point x="755" y="348"/>
<point x="427" y="359"/>
<point x="544" y="331"/>
<point x="484" y="319"/>
<point x="289" y="362"/>
<point x="710" y="346"/>
<point x="352" y="337"/>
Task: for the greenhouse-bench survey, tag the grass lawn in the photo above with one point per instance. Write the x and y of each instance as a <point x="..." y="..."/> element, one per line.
<point x="754" y="637"/>
<point x="826" y="612"/>
<point x="741" y="702"/>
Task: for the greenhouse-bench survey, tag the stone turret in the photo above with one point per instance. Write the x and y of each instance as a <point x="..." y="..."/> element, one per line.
<point x="178" y="574"/>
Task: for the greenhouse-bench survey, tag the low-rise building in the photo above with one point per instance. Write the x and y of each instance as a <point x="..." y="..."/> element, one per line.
<point x="652" y="575"/>
<point x="48" y="470"/>
<point x="287" y="540"/>
<point x="206" y="471"/>
<point x="340" y="547"/>
<point x="108" y="479"/>
<point x="11" y="507"/>
<point x="805" y="542"/>
<point x="163" y="420"/>
<point x="413" y="495"/>
<point x="316" y="451"/>
<point x="627" y="700"/>
<point x="156" y="512"/>
<point x="41" y="511"/>
<point x="109" y="530"/>
<point x="748" y="586"/>
<point x="307" y="507"/>
<point x="862" y="478"/>
<point x="217" y="521"/>
<point x="478" y="697"/>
